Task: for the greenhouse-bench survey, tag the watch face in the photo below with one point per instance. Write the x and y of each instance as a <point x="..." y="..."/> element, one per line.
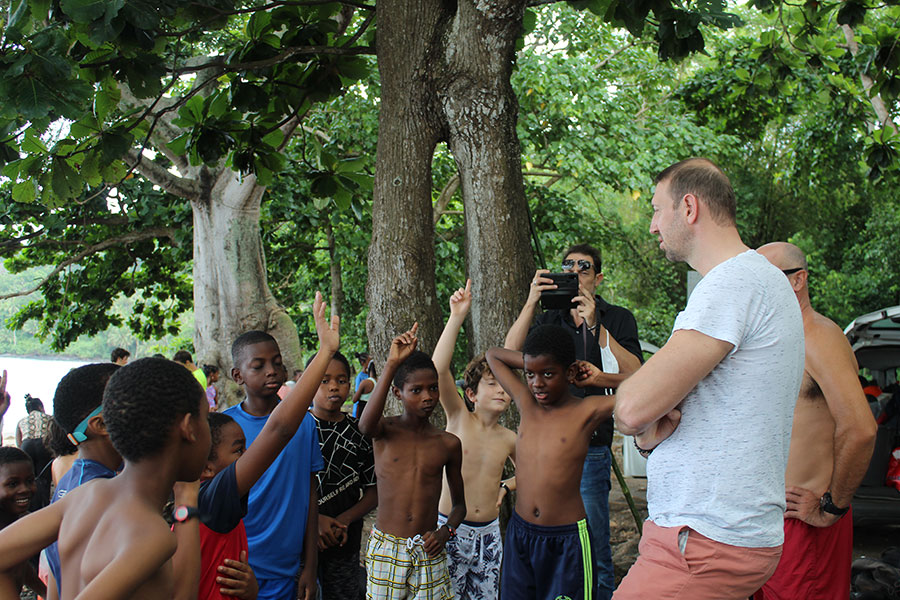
<point x="181" y="513"/>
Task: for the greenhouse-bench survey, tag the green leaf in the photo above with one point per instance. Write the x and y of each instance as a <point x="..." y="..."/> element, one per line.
<point x="274" y="138"/>
<point x="83" y="11"/>
<point x="24" y="191"/>
<point x="179" y="144"/>
<point x="65" y="181"/>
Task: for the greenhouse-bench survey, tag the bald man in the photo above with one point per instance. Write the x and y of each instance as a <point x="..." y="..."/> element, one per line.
<point x="831" y="444"/>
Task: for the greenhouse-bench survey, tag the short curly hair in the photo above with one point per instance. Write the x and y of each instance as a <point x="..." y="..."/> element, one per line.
<point x="416" y="361"/>
<point x="338" y="357"/>
<point x="143" y="400"/>
<point x="217" y="422"/>
<point x="550" y="340"/>
<point x="246" y="340"/>
<point x="475" y="370"/>
<point x="79" y="392"/>
<point x="10" y="455"/>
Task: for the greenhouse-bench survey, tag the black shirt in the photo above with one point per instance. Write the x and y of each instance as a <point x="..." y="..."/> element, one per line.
<point x="621" y="325"/>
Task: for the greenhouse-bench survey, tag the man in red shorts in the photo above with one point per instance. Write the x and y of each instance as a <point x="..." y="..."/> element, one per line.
<point x="831" y="444"/>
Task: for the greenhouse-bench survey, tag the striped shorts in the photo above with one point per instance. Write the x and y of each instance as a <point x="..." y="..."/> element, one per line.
<point x="398" y="569"/>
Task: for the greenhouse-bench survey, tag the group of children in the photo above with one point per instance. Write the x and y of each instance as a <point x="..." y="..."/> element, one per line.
<point x="278" y="509"/>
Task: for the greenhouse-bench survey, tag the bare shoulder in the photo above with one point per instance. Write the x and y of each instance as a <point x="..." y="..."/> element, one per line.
<point x="824" y="336"/>
<point x="450" y="441"/>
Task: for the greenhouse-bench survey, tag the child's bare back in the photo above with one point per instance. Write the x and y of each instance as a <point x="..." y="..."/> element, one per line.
<point x="124" y="534"/>
<point x="409" y="467"/>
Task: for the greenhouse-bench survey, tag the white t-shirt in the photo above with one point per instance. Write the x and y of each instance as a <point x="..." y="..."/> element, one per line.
<point x="722" y="470"/>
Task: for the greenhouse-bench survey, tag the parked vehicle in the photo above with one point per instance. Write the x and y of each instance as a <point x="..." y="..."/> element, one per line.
<point x="875" y="338"/>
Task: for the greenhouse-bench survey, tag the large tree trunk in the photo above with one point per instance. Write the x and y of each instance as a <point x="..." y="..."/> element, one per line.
<point x="445" y="71"/>
<point x="231" y="293"/>
<point x="481" y="110"/>
<point x="401" y="288"/>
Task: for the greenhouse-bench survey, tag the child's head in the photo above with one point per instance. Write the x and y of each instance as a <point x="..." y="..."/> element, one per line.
<point x="17" y="485"/>
<point x="335" y="385"/>
<point x="228" y="443"/>
<point x="482" y="389"/>
<point x="257" y="364"/>
<point x="77" y="406"/>
<point x="211" y="372"/>
<point x="549" y="357"/>
<point x="416" y="384"/>
<point x="153" y="405"/>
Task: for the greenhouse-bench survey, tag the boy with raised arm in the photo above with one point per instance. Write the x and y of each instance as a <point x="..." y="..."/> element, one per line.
<point x="548" y="549"/>
<point x="476" y="551"/>
<point x="113" y="540"/>
<point x="232" y="471"/>
<point x="282" y="520"/>
<point x="405" y="557"/>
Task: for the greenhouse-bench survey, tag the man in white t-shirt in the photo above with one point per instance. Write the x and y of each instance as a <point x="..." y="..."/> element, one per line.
<point x="714" y="405"/>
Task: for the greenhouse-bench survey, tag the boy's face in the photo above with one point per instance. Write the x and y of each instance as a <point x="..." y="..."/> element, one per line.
<point x="419" y="393"/>
<point x="547" y="379"/>
<point x="261" y="370"/>
<point x="17" y="487"/>
<point x="334" y="387"/>
<point x="231" y="446"/>
<point x="489" y="395"/>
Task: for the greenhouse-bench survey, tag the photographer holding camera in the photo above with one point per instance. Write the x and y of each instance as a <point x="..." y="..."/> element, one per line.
<point x="606" y="337"/>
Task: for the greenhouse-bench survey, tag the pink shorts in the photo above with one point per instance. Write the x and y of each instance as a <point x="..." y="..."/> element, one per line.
<point x="815" y="563"/>
<point x="678" y="562"/>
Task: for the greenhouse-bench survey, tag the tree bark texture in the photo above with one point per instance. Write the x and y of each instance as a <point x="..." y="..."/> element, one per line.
<point x="231" y="292"/>
<point x="445" y="69"/>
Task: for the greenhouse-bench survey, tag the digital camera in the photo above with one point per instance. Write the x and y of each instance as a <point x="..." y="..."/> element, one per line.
<point x="566" y="290"/>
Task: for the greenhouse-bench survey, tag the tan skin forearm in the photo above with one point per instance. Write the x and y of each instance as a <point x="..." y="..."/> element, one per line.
<point x="852" y="453"/>
<point x="516" y="335"/>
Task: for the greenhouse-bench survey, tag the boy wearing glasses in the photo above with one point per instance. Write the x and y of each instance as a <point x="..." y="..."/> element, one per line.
<point x="606" y="336"/>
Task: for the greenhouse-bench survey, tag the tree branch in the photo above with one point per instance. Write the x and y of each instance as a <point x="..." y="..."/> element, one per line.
<point x="876" y="101"/>
<point x="277" y="59"/>
<point x="440" y="206"/>
<point x="134" y="236"/>
<point x="179" y="186"/>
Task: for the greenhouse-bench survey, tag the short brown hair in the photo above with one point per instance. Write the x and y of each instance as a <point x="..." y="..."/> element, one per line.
<point x="475" y="370"/>
<point x="703" y="178"/>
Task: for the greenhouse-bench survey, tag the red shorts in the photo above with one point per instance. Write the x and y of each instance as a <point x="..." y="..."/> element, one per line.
<point x="815" y="562"/>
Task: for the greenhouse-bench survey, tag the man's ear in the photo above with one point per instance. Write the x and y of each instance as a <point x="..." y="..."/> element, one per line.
<point x="691" y="206"/>
<point x="799" y="281"/>
<point x="236" y="375"/>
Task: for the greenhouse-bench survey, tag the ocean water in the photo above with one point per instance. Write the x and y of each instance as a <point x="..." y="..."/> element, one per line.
<point x="36" y="376"/>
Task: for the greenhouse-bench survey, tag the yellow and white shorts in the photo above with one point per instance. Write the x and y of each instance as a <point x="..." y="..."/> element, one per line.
<point x="398" y="569"/>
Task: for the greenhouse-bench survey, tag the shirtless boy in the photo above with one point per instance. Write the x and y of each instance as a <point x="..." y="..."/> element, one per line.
<point x="476" y="551"/>
<point x="113" y="540"/>
<point x="548" y="549"/>
<point x="832" y="437"/>
<point x="405" y="557"/>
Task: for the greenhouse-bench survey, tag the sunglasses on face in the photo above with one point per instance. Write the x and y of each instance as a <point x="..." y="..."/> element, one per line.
<point x="583" y="265"/>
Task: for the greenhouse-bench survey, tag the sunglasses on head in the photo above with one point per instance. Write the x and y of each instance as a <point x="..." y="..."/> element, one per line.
<point x="583" y="265"/>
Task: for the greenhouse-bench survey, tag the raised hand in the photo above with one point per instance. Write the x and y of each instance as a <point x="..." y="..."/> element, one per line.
<point x="585" y="306"/>
<point x="329" y="333"/>
<point x="403" y="345"/>
<point x="587" y="374"/>
<point x="461" y="300"/>
<point x="3" y="403"/>
<point x="539" y="283"/>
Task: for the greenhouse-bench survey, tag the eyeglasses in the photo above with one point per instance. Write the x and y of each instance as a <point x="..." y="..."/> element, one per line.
<point x="583" y="265"/>
<point x="791" y="271"/>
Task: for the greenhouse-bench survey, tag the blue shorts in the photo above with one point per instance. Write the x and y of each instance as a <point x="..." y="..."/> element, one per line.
<point x="547" y="563"/>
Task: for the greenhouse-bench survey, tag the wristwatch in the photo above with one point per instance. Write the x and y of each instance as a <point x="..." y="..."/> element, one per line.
<point x="827" y="505"/>
<point x="451" y="530"/>
<point x="182" y="514"/>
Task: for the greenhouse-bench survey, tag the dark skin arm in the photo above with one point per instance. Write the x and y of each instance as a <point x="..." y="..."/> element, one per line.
<point x="306" y="586"/>
<point x="186" y="562"/>
<point x="282" y="424"/>
<point x="371" y="423"/>
<point x="333" y="531"/>
<point x="434" y="541"/>
<point x="502" y="362"/>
